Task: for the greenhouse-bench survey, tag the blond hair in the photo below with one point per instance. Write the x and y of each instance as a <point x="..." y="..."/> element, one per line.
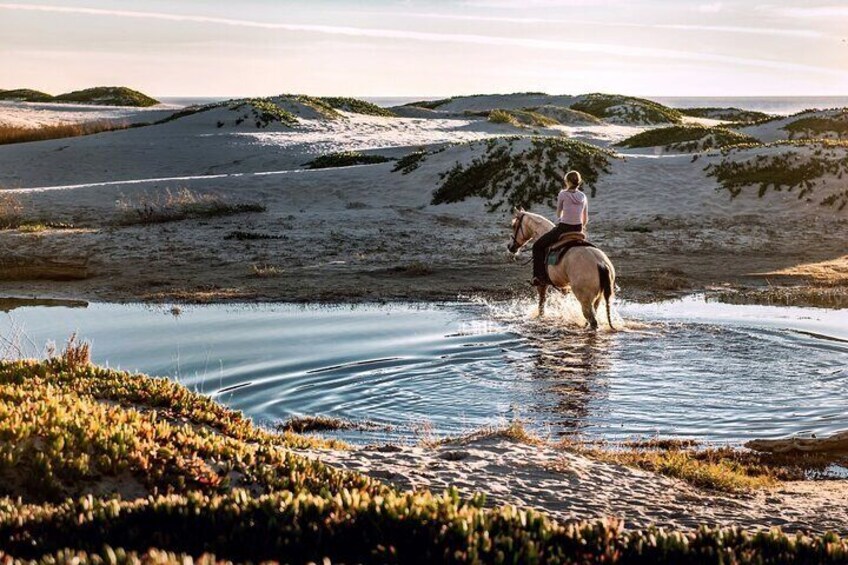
<point x="573" y="179"/>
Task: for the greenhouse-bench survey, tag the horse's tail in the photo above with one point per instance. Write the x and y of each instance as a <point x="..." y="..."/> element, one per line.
<point x="606" y="287"/>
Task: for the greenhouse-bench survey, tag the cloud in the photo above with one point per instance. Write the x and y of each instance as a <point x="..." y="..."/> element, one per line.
<point x="811" y="11"/>
<point x="786" y="32"/>
<point x="627" y="51"/>
<point x="711" y="8"/>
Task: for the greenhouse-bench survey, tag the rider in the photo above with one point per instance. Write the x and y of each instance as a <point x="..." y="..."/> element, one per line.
<point x="572" y="215"/>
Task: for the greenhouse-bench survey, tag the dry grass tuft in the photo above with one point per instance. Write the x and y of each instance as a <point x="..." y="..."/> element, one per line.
<point x="265" y="270"/>
<point x="15" y="134"/>
<point x="75" y="356"/>
<point x="11" y="211"/>
<point x="173" y="206"/>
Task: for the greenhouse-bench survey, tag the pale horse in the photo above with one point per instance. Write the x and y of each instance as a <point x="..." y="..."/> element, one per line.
<point x="587" y="270"/>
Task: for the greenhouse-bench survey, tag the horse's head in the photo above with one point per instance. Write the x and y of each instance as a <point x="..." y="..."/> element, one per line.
<point x="521" y="233"/>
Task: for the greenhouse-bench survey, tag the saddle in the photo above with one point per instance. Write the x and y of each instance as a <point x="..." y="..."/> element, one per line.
<point x="564" y="244"/>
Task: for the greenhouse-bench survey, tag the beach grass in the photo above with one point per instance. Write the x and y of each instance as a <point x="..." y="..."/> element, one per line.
<point x="726" y="114"/>
<point x="16" y="134"/>
<point x="176" y="205"/>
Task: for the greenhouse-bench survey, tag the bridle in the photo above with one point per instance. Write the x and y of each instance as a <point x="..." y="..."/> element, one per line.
<point x="519" y="227"/>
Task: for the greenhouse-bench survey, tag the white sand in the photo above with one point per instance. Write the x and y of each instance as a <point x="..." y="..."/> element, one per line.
<point x="572" y="487"/>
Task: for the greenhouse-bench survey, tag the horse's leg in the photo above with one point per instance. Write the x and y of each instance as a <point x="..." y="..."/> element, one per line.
<point x="543" y="292"/>
<point x="587" y="303"/>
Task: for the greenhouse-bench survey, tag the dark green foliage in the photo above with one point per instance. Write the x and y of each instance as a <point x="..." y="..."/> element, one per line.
<point x="357" y="106"/>
<point x="687" y="138"/>
<point x="519" y="118"/>
<point x="726" y="114"/>
<point x="836" y="126"/>
<point x="25" y="95"/>
<point x="802" y="166"/>
<point x="266" y="112"/>
<point x="109" y="96"/>
<point x="409" y="163"/>
<point x="641" y="111"/>
<point x="345" y="159"/>
<point x="506" y="175"/>
<point x="239" y="235"/>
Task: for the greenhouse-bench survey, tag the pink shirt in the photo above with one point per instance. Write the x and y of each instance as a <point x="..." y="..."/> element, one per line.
<point x="571" y="204"/>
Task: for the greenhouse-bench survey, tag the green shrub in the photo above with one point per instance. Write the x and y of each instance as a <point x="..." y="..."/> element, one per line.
<point x="409" y="163"/>
<point x="357" y="106"/>
<point x="627" y="109"/>
<point x="802" y="166"/>
<point x="687" y="138"/>
<point x="25" y="95"/>
<point x="520" y="118"/>
<point x="266" y="112"/>
<point x="109" y="96"/>
<point x="507" y="175"/>
<point x="726" y="114"/>
<point x="345" y="159"/>
<point x="817" y="126"/>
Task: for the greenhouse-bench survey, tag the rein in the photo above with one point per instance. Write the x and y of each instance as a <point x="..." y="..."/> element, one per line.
<point x="519" y="227"/>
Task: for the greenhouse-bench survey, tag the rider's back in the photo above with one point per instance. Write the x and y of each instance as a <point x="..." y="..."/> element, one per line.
<point x="571" y="204"/>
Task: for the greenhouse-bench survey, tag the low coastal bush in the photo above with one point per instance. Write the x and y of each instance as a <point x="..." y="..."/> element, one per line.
<point x="345" y="159"/>
<point x="173" y="206"/>
<point x="726" y="114"/>
<point x="627" y="109"/>
<point x="835" y="127"/>
<point x="105" y="466"/>
<point x="16" y="134"/>
<point x="411" y="162"/>
<point x="687" y="138"/>
<point x="266" y="112"/>
<point x="109" y="96"/>
<point x="357" y="106"/>
<point x="522" y="171"/>
<point x="520" y="118"/>
<point x="803" y="165"/>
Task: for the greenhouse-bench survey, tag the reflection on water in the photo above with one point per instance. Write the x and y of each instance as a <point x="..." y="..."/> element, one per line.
<point x="713" y="372"/>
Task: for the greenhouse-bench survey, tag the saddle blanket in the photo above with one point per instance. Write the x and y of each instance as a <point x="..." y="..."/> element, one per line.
<point x="558" y="250"/>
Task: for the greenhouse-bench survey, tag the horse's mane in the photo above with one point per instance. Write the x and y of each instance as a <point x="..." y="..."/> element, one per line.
<point x="534" y="215"/>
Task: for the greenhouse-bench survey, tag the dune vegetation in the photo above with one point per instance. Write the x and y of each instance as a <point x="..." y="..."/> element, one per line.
<point x="345" y="159"/>
<point x="687" y="139"/>
<point x="627" y="109"/>
<point x="802" y="165"/>
<point x="16" y="134"/>
<point x="519" y="118"/>
<point x="833" y="126"/>
<point x="356" y="106"/>
<point x="176" y="205"/>
<point x="518" y="171"/>
<point x="25" y="95"/>
<point x="105" y="466"/>
<point x="726" y="114"/>
<point x="108" y="96"/>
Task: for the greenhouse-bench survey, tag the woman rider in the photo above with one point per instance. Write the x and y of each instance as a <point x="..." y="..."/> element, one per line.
<point x="572" y="215"/>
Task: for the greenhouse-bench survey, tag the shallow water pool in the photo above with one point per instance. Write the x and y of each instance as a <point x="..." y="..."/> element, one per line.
<point x="713" y="372"/>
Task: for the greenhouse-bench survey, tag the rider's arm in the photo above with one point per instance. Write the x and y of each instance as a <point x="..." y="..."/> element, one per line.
<point x="559" y="207"/>
<point x="585" y="211"/>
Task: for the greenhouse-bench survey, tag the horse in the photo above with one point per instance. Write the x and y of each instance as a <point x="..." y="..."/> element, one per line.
<point x="587" y="270"/>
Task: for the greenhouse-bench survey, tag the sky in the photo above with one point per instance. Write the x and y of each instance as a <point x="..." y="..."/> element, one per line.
<point x="428" y="48"/>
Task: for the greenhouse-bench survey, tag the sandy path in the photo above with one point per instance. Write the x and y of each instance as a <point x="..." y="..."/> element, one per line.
<point x="573" y="487"/>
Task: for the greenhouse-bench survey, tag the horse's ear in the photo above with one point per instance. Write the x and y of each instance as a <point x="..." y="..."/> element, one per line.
<point x="521" y="209"/>
<point x="515" y="210"/>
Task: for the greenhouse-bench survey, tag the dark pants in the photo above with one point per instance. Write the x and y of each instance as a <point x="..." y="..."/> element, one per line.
<point x="540" y="248"/>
